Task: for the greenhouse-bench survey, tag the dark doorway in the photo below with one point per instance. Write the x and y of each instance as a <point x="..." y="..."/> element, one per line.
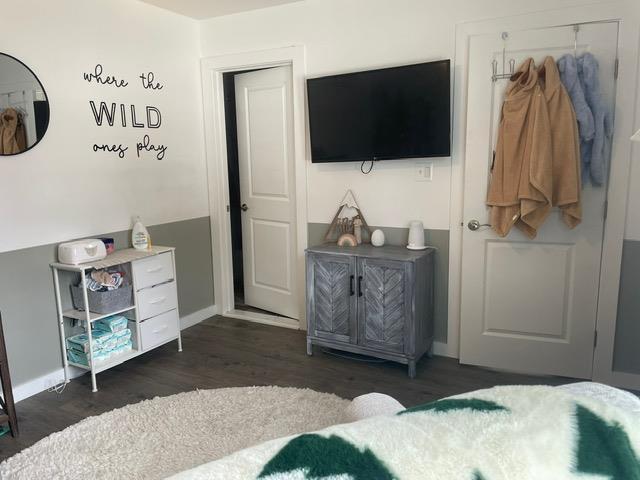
<point x="233" y="171"/>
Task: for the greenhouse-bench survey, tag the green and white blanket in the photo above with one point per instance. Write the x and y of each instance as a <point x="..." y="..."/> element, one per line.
<point x="502" y="433"/>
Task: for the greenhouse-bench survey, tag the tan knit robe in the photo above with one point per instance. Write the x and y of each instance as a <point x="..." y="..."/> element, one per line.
<point x="565" y="144"/>
<point x="12" y="133"/>
<point x="520" y="190"/>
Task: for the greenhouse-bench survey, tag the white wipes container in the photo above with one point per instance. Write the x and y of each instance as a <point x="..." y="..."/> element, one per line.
<point x="81" y="251"/>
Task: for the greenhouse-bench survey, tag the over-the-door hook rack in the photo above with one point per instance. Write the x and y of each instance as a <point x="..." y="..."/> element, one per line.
<point x="494" y="64"/>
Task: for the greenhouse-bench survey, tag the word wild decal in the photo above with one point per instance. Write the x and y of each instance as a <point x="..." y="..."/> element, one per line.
<point x="122" y="115"/>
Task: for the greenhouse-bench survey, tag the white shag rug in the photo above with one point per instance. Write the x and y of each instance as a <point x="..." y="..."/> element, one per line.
<point x="156" y="438"/>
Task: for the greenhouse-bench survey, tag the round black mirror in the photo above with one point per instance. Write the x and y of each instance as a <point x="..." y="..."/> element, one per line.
<point x="24" y="107"/>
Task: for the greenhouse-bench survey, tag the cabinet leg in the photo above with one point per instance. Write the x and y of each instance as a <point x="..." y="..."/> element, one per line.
<point x="179" y="343"/>
<point x="94" y="385"/>
<point x="430" y="351"/>
<point x="411" y="368"/>
<point x="309" y="347"/>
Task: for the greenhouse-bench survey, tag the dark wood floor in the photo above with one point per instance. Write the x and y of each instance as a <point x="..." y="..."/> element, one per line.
<point x="222" y="352"/>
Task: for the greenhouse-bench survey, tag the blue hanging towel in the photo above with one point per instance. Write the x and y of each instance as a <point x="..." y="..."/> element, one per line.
<point x="595" y="122"/>
<point x="568" y="68"/>
<point x="603" y="119"/>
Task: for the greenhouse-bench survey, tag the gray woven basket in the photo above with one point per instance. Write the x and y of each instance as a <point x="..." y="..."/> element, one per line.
<point x="103" y="302"/>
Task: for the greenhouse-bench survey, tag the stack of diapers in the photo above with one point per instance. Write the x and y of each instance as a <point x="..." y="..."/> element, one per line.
<point x="111" y="336"/>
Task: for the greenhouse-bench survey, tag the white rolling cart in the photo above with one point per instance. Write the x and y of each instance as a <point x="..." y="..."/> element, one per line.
<point x="154" y="316"/>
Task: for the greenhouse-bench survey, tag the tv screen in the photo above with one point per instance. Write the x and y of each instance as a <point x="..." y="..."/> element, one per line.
<point x="391" y="113"/>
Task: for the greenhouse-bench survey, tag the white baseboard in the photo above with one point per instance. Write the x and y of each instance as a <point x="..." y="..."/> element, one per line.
<point x="256" y="317"/>
<point x="37" y="385"/>
<point x="442" y="349"/>
<point x="40" y="384"/>
<point x="197" y="317"/>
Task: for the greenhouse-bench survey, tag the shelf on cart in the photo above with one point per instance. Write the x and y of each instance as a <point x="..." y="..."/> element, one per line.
<point x="82" y="315"/>
<point x="111" y="362"/>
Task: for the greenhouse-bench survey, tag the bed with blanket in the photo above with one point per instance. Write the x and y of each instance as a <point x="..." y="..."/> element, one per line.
<point x="515" y="432"/>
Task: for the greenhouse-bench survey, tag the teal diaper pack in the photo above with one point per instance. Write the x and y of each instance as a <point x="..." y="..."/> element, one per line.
<point x="110" y="336"/>
<point x="113" y="324"/>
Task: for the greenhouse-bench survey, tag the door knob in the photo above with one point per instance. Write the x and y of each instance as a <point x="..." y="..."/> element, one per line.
<point x="474" y="225"/>
<point x="244" y="207"/>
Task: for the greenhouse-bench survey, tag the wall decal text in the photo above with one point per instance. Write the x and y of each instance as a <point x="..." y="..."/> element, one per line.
<point x="147" y="82"/>
<point x="97" y="77"/>
<point x="148" y="147"/>
<point x="153" y="115"/>
<point x="119" y="149"/>
<point x="115" y="114"/>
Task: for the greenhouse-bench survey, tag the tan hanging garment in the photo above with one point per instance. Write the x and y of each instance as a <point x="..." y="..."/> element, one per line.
<point x="12" y="133"/>
<point x="520" y="188"/>
<point x="565" y="144"/>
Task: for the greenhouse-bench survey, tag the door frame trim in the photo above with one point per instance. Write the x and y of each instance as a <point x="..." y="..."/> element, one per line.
<point x="614" y="227"/>
<point x="212" y="69"/>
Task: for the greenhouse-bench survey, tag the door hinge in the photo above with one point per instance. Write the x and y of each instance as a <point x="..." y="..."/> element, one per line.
<point x="616" y="63"/>
<point x="606" y="209"/>
<point x="595" y="339"/>
<point x="228" y="208"/>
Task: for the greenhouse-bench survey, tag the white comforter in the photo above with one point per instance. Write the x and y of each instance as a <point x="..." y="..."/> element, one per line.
<point x="496" y="434"/>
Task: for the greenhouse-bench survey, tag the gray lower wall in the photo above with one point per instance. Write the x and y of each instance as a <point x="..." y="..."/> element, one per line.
<point x="626" y="356"/>
<point x="28" y="305"/>
<point x="27" y="299"/>
<point x="398" y="236"/>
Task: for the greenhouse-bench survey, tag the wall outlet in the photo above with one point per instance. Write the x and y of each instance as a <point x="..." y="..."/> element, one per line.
<point x="424" y="172"/>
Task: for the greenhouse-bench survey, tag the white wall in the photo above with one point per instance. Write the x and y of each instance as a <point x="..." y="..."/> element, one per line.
<point x="633" y="204"/>
<point x="61" y="189"/>
<point x="348" y="35"/>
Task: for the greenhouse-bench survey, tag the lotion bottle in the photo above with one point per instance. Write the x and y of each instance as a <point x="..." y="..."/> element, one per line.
<point x="140" y="236"/>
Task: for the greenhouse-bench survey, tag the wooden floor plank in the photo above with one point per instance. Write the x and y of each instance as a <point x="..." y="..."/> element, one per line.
<point x="222" y="352"/>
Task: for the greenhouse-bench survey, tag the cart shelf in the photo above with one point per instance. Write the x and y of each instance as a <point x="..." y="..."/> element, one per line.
<point x="82" y="315"/>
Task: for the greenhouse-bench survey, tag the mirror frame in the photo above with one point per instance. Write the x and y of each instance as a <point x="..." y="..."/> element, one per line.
<point x="48" y="103"/>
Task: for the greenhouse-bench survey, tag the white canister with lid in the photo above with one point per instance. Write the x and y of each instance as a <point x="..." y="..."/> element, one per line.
<point x="416" y="236"/>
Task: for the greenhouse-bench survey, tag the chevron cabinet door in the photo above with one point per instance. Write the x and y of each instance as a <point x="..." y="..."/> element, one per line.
<point x="383" y="303"/>
<point x="332" y="297"/>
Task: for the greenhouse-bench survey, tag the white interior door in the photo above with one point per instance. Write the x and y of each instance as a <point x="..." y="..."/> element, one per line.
<point x="529" y="305"/>
<point x="264" y="106"/>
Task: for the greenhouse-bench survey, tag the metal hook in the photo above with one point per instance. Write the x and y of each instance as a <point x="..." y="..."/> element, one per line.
<point x="505" y="37"/>
<point x="494" y="63"/>
<point x="576" y="29"/>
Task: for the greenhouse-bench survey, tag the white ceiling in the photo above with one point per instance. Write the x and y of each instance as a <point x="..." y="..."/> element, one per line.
<point x="200" y="9"/>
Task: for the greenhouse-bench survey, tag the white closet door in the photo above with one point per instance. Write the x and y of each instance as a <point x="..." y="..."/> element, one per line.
<point x="267" y="187"/>
<point x="529" y="305"/>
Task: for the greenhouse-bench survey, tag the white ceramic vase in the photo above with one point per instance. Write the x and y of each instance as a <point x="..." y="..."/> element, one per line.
<point x="377" y="238"/>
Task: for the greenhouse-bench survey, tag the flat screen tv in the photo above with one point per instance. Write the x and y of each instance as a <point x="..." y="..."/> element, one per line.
<point x="391" y="113"/>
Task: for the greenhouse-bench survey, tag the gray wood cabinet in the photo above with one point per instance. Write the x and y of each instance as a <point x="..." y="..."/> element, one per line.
<point x="375" y="301"/>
